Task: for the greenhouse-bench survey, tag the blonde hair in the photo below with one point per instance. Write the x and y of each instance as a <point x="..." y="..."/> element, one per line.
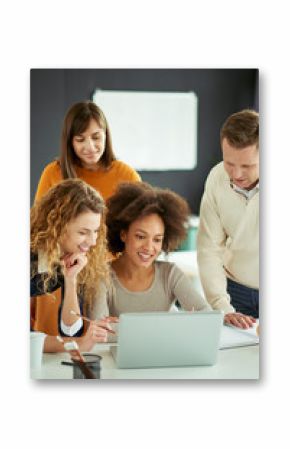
<point x="49" y="218"/>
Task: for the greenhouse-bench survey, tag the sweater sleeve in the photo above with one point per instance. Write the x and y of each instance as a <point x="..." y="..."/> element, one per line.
<point x="135" y="177"/>
<point x="48" y="178"/>
<point x="72" y="330"/>
<point x="128" y="173"/>
<point x="184" y="291"/>
<point x="100" y="307"/>
<point x="211" y="240"/>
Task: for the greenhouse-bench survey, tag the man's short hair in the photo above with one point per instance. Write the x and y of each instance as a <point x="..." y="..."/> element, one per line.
<point x="241" y="129"/>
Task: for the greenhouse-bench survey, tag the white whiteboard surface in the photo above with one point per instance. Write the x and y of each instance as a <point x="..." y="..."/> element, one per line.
<point x="152" y="130"/>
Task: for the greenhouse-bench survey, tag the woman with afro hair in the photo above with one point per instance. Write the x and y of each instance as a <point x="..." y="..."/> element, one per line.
<point x="142" y="221"/>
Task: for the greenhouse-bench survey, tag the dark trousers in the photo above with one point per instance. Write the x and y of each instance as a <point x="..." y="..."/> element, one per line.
<point x="244" y="299"/>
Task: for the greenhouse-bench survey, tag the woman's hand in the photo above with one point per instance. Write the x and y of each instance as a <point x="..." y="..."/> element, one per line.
<point x="95" y="334"/>
<point x="239" y="320"/>
<point x="73" y="264"/>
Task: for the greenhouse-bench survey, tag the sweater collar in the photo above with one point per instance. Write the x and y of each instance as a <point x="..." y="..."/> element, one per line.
<point x="248" y="194"/>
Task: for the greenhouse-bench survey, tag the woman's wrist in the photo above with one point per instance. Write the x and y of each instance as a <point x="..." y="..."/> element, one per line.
<point x="85" y="343"/>
<point x="70" y="282"/>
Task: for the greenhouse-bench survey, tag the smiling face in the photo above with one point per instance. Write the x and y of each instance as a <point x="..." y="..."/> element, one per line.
<point x="81" y="233"/>
<point x="89" y="145"/>
<point x="242" y="165"/>
<point x="143" y="240"/>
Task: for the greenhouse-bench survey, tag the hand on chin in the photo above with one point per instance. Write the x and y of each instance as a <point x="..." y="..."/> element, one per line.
<point x="73" y="263"/>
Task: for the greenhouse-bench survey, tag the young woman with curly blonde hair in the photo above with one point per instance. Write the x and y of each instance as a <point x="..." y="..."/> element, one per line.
<point x="68" y="247"/>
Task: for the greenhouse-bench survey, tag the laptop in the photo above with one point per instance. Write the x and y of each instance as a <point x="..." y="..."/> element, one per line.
<point x="163" y="339"/>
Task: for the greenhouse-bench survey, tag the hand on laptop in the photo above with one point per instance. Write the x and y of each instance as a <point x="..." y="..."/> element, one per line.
<point x="239" y="320"/>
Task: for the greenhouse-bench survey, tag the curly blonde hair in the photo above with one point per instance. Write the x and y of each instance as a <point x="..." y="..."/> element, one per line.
<point x="49" y="219"/>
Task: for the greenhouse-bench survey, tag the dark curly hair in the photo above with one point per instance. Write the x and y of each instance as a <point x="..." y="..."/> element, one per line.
<point x="132" y="201"/>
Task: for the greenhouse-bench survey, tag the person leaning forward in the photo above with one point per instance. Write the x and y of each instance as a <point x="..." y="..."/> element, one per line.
<point x="228" y="236"/>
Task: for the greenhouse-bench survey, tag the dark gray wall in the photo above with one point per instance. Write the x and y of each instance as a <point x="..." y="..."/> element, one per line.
<point x="220" y="93"/>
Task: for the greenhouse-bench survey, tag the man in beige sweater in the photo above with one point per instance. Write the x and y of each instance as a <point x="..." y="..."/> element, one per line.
<point x="228" y="236"/>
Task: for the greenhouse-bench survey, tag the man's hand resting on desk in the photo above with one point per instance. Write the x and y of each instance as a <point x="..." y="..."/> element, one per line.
<point x="239" y="320"/>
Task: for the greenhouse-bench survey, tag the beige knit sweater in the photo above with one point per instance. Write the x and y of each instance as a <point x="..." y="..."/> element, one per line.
<point x="228" y="239"/>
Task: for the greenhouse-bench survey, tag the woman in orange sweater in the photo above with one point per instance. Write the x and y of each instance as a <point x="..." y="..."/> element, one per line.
<point x="87" y="153"/>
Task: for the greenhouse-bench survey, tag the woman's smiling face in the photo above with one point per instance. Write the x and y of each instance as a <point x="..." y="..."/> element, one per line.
<point x="143" y="240"/>
<point x="81" y="233"/>
<point x="89" y="146"/>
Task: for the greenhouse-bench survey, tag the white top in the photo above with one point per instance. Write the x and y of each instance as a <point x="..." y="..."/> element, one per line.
<point x="70" y="331"/>
<point x="228" y="238"/>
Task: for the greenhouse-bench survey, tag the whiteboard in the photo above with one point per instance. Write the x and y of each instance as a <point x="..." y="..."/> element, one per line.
<point x="152" y="130"/>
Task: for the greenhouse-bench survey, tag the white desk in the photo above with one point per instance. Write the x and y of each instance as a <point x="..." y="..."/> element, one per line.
<point x="236" y="363"/>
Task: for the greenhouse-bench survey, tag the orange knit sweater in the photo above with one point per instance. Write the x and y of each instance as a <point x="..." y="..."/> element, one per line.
<point x="103" y="180"/>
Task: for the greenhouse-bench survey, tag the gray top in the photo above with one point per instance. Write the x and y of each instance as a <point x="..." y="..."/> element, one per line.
<point x="169" y="284"/>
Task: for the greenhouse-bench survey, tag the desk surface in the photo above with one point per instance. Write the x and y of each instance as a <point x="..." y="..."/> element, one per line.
<point x="235" y="363"/>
